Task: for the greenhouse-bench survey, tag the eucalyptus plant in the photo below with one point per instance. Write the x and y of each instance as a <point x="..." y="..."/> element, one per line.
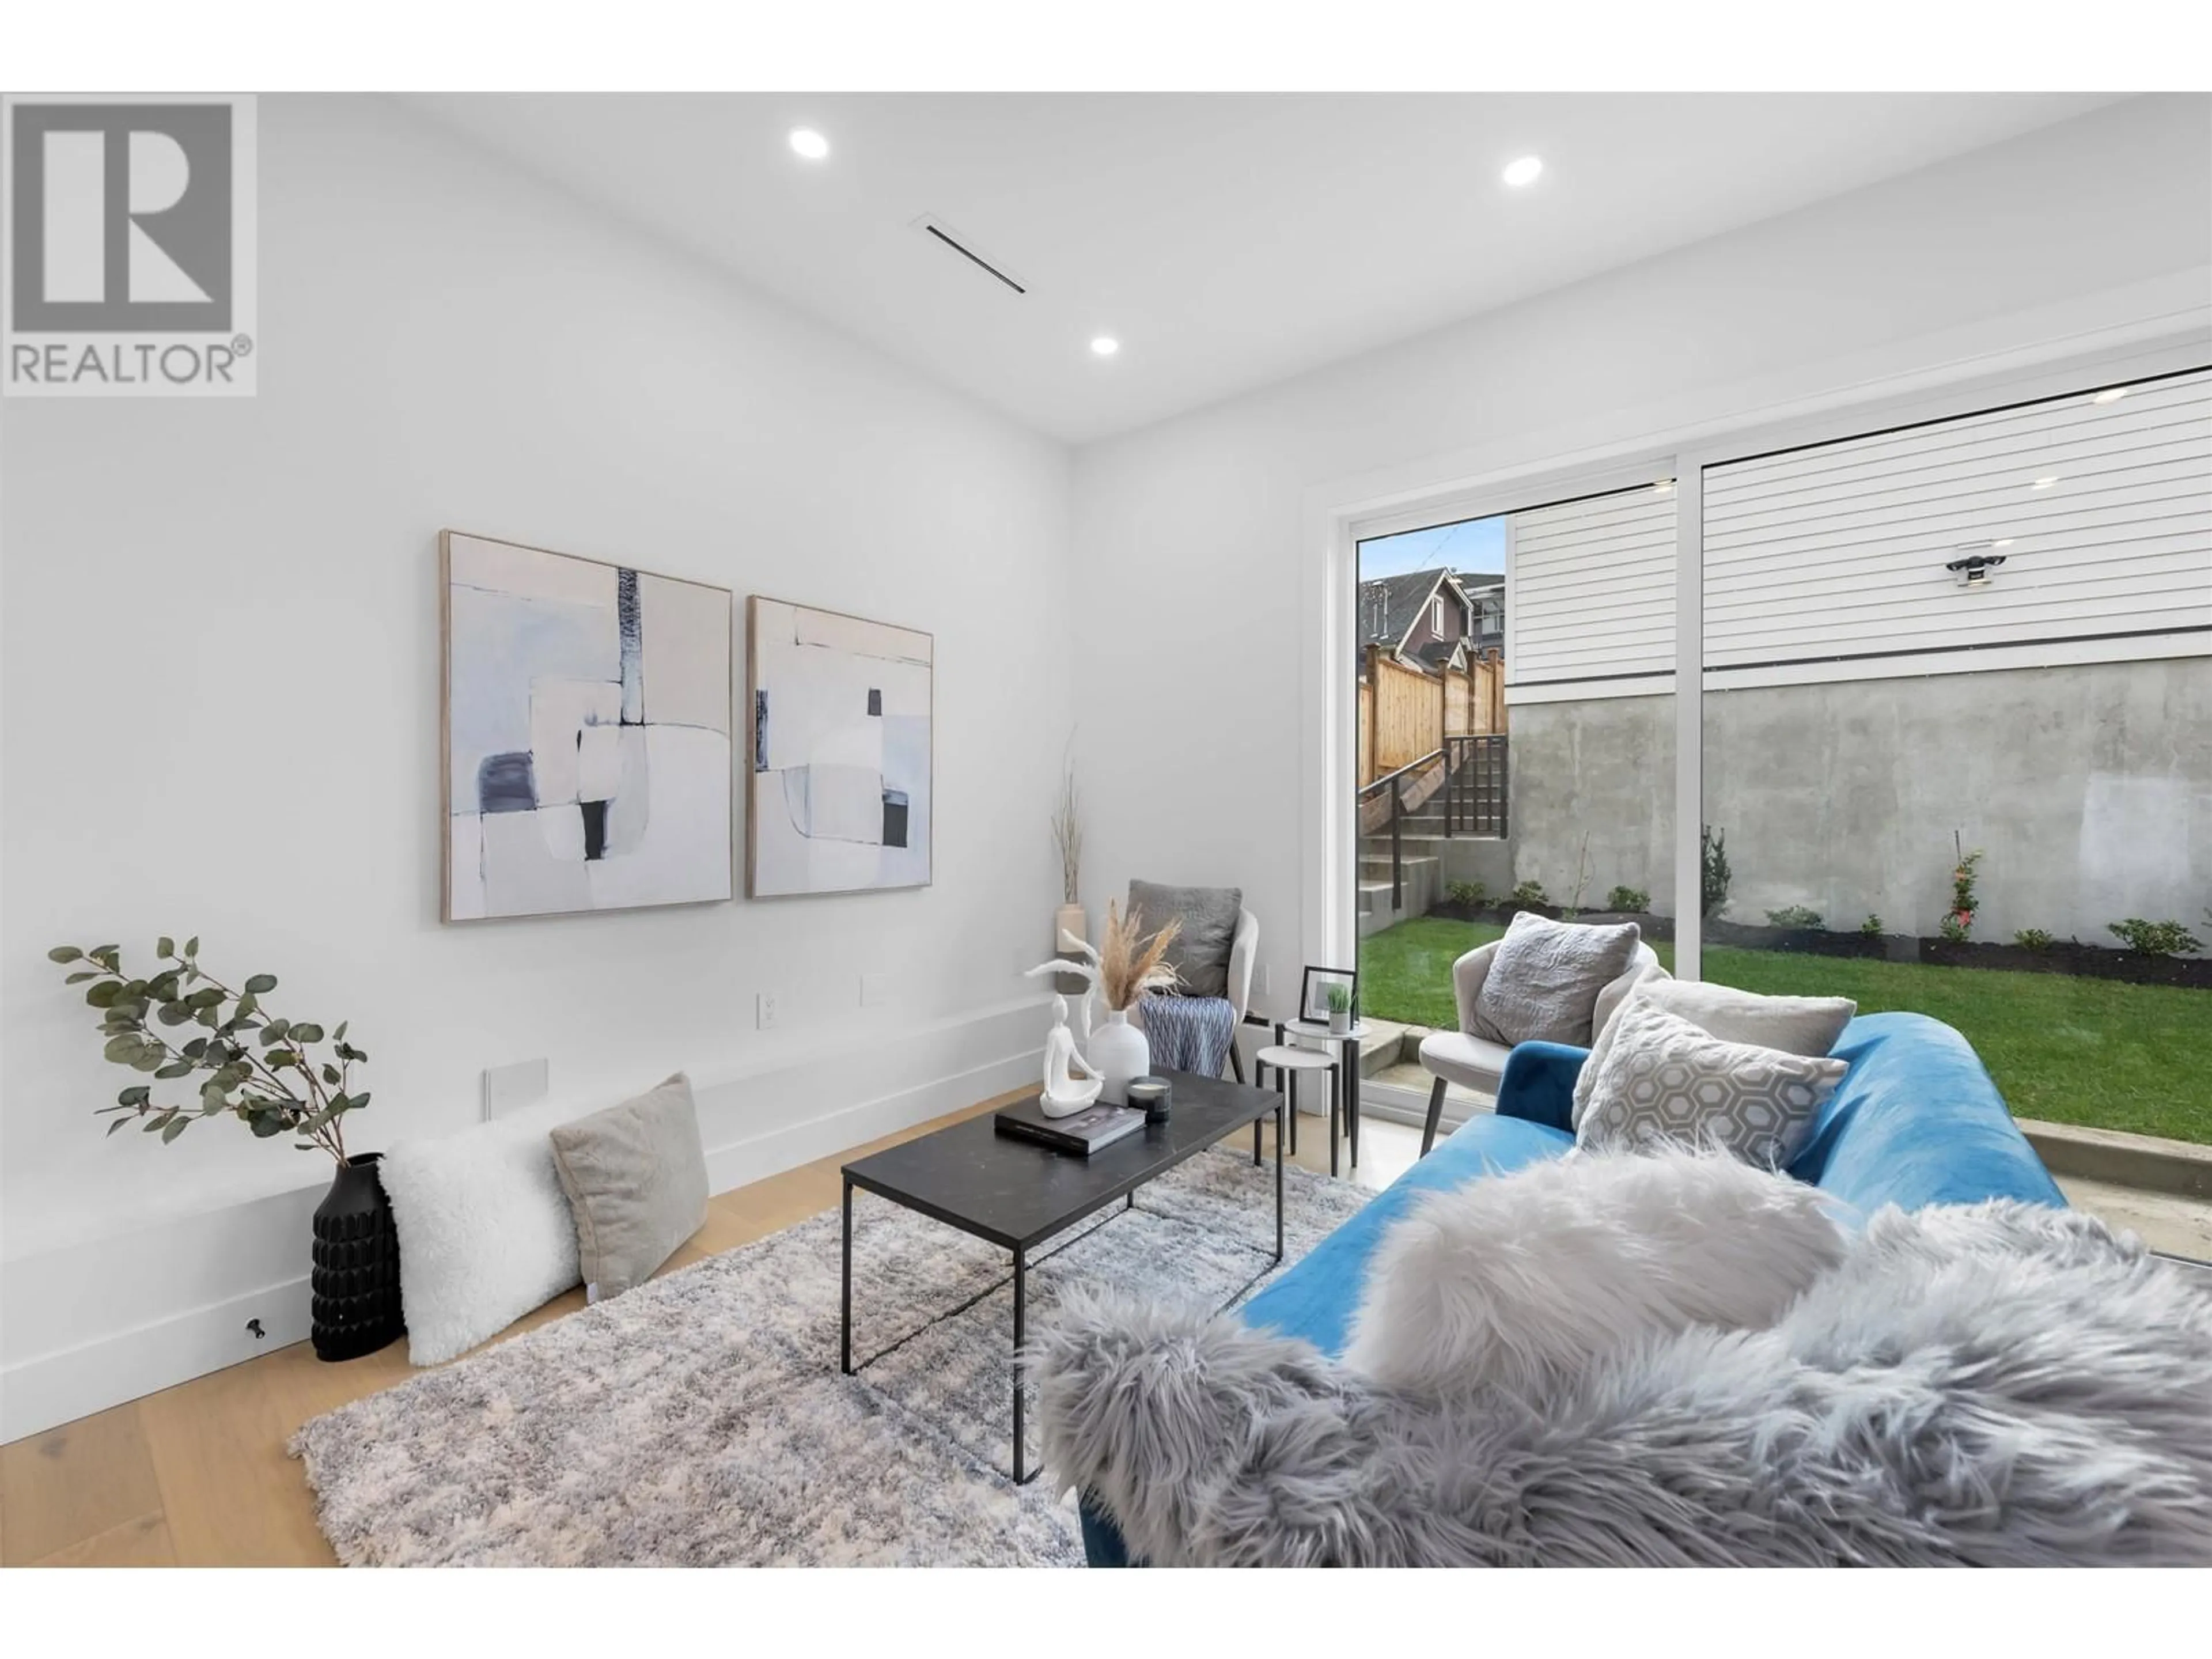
<point x="267" y="1072"/>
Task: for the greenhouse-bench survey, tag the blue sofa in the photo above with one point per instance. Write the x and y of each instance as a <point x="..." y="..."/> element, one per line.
<point x="1916" y="1120"/>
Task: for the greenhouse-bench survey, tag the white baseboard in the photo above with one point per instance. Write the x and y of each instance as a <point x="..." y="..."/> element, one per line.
<point x="59" y="1388"/>
<point x="757" y="1123"/>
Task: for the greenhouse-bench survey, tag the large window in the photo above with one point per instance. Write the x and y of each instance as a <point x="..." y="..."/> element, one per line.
<point x="1957" y="739"/>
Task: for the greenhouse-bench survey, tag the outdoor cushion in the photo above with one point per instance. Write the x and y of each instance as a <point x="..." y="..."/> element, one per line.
<point x="1545" y="980"/>
<point x="1200" y="953"/>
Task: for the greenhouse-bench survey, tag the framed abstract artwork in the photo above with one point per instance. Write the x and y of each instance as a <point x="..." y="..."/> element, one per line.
<point x="587" y="734"/>
<point x="841" y="773"/>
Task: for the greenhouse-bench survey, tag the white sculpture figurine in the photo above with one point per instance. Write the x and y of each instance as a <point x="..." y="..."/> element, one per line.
<point x="1065" y="1094"/>
<point x="1087" y="971"/>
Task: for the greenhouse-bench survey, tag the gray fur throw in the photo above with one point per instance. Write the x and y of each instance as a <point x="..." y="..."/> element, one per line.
<point x="1997" y="1384"/>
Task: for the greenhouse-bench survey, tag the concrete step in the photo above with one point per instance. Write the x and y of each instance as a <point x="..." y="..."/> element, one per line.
<point x="1375" y="866"/>
<point x="1415" y="846"/>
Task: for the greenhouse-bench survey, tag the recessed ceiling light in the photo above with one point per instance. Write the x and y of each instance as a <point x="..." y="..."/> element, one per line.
<point x="1105" y="345"/>
<point x="806" y="141"/>
<point x="1664" y="487"/>
<point x="2111" y="394"/>
<point x="1523" y="172"/>
<point x="2006" y="542"/>
<point x="2043" y="484"/>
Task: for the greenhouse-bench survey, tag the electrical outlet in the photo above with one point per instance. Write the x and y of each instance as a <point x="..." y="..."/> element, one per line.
<point x="875" y="989"/>
<point x="765" y="1011"/>
<point x="510" y="1088"/>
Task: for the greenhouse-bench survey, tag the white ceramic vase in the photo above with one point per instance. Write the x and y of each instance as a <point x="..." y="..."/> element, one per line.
<point x="1340" y="1022"/>
<point x="1119" y="1053"/>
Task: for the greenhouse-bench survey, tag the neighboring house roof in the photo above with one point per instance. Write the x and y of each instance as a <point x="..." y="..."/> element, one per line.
<point x="1390" y="605"/>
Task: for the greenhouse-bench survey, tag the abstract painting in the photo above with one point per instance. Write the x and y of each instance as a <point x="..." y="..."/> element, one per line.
<point x="587" y="734"/>
<point x="840" y="767"/>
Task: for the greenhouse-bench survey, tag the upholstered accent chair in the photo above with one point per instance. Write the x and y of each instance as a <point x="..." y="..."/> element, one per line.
<point x="1475" y="1062"/>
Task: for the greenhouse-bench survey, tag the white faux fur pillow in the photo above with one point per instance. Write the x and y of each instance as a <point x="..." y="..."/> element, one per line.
<point x="485" y="1232"/>
<point x="1517" y="1281"/>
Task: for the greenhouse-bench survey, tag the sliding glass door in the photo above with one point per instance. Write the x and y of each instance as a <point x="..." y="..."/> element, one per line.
<point x="1515" y="742"/>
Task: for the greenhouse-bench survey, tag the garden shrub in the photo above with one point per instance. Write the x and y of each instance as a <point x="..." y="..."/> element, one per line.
<point x="1872" y="926"/>
<point x="1959" y="921"/>
<point x="1794" y="916"/>
<point x="1715" y="875"/>
<point x="1631" y="899"/>
<point x="1469" y="893"/>
<point x="1531" y="892"/>
<point x="2031" y="938"/>
<point x="2157" y="939"/>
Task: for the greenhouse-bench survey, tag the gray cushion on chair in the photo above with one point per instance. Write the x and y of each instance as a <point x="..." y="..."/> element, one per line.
<point x="1200" y="951"/>
<point x="1544" y="981"/>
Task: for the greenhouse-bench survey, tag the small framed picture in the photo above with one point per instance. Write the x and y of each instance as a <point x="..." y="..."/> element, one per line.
<point x="1327" y="991"/>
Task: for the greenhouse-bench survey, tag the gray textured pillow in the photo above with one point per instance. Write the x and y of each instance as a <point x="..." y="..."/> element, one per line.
<point x="636" y="1181"/>
<point x="1664" y="1082"/>
<point x="1796" y="1025"/>
<point x="1200" y="951"/>
<point x="1544" y="980"/>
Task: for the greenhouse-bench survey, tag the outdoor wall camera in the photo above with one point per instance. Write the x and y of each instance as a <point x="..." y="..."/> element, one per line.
<point x="1973" y="570"/>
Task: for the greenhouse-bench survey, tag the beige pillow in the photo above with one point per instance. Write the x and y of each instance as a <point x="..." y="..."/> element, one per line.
<point x="1795" y="1025"/>
<point x="1666" y="1083"/>
<point x="636" y="1181"/>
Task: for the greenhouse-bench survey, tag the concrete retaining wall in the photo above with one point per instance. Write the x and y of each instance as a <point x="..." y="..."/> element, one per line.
<point x="2090" y="789"/>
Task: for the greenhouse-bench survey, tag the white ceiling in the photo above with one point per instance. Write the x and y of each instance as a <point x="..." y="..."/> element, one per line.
<point x="1228" y="241"/>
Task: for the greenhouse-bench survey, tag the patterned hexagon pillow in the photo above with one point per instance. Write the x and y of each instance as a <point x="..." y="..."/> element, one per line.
<point x="1663" y="1081"/>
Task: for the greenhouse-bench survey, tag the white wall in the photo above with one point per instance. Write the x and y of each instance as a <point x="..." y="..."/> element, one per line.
<point x="220" y="717"/>
<point x="1193" y="536"/>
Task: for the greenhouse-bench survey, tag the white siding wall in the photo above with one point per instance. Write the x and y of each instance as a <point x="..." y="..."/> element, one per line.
<point x="1838" y="551"/>
<point x="1828" y="562"/>
<point x="1593" y="589"/>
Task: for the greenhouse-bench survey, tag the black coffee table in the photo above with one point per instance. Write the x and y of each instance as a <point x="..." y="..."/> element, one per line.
<point x="1015" y="1194"/>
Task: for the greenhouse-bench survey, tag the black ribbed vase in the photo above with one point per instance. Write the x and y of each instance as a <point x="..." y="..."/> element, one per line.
<point x="356" y="1278"/>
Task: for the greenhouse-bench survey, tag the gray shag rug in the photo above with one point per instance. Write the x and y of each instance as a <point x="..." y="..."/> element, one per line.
<point x="701" y="1419"/>
<point x="1993" y="1385"/>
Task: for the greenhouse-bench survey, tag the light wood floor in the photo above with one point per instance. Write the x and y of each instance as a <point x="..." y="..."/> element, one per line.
<point x="198" y="1475"/>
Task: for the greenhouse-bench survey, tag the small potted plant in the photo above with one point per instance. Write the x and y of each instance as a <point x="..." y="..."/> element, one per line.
<point x="1339" y="1010"/>
<point x="277" y="1076"/>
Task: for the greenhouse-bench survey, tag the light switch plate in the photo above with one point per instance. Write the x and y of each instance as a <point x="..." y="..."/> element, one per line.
<point x="765" y="1011"/>
<point x="510" y="1088"/>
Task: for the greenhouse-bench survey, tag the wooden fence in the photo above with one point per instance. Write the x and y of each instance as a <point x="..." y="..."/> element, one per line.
<point x="1406" y="713"/>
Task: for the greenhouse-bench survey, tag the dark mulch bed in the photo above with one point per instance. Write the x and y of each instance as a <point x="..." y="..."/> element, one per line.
<point x="2060" y="957"/>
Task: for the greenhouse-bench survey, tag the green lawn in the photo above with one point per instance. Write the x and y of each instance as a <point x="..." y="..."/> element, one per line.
<point x="2090" y="1051"/>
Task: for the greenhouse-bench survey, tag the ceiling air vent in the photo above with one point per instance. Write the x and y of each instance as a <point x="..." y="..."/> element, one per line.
<point x="935" y="228"/>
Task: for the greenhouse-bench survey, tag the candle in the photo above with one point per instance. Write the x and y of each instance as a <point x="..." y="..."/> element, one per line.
<point x="1153" y="1094"/>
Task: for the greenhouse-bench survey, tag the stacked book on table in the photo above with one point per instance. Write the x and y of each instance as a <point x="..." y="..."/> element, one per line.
<point x="1081" y="1134"/>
